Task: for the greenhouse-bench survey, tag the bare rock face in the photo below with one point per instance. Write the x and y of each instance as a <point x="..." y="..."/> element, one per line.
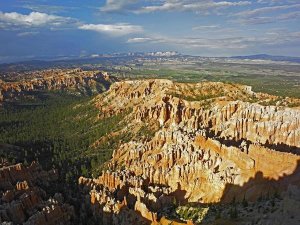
<point x="212" y="146"/>
<point x="24" y="202"/>
<point x="76" y="79"/>
<point x="234" y="121"/>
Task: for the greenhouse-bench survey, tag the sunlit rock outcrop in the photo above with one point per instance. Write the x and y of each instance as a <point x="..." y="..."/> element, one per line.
<point x="212" y="146"/>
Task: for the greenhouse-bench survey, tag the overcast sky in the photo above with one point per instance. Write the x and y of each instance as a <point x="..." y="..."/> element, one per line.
<point x="56" y="28"/>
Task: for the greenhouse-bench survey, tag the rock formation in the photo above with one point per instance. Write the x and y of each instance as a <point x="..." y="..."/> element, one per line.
<point x="203" y="143"/>
<point x="211" y="146"/>
<point x="23" y="201"/>
<point x="76" y="79"/>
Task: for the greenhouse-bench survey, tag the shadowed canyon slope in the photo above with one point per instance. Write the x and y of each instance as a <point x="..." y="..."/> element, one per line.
<point x="200" y="143"/>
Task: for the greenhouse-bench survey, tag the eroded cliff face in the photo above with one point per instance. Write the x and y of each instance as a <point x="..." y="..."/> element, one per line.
<point x="23" y="201"/>
<point x="210" y="147"/>
<point x="76" y="79"/>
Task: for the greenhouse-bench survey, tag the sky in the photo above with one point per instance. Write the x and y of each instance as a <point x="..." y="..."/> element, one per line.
<point x="32" y="29"/>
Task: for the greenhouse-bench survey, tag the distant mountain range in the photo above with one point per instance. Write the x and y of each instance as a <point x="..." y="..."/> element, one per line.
<point x="99" y="60"/>
<point x="269" y="57"/>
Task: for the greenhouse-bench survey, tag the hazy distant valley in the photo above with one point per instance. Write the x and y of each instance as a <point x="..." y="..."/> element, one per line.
<point x="261" y="72"/>
<point x="156" y="139"/>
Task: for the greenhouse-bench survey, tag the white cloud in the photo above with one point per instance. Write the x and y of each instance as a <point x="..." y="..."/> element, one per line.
<point x="147" y="6"/>
<point x="48" y="8"/>
<point x="33" y="19"/>
<point x="264" y="10"/>
<point x="290" y="16"/>
<point x="269" y="14"/>
<point x="194" y="42"/>
<point x="270" y="38"/>
<point x="139" y="40"/>
<point x="256" y="20"/>
<point x="205" y="27"/>
<point x="30" y="33"/>
<point x="273" y="2"/>
<point x="190" y="5"/>
<point x="119" y="29"/>
<point x="117" y="5"/>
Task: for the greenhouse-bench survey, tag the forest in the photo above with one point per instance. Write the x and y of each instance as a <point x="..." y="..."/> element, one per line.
<point x="59" y="132"/>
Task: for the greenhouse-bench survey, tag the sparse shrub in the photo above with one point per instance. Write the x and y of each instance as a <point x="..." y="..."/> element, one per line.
<point x="260" y="198"/>
<point x="25" y="162"/>
<point x="233" y="200"/>
<point x="233" y="213"/>
<point x="244" y="202"/>
<point x="273" y="210"/>
<point x="174" y="202"/>
<point x="218" y="215"/>
<point x="276" y="195"/>
<point x="272" y="202"/>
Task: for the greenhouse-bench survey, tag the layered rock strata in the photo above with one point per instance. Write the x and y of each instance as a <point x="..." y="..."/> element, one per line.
<point x="210" y="148"/>
<point x="56" y="80"/>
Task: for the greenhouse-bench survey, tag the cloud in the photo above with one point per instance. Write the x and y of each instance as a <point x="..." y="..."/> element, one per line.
<point x="273" y="2"/>
<point x="14" y="20"/>
<point x="148" y="6"/>
<point x="264" y="10"/>
<point x="48" y="8"/>
<point x="24" y="34"/>
<point x="271" y="38"/>
<point x="256" y="20"/>
<point x="139" y="40"/>
<point x="274" y="19"/>
<point x="205" y="27"/>
<point x="290" y="16"/>
<point x="269" y="14"/>
<point x="189" y="5"/>
<point x="117" y="5"/>
<point x="193" y="42"/>
<point x="119" y="29"/>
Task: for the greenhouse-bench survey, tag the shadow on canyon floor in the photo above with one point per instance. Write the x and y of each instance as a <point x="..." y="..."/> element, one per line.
<point x="260" y="185"/>
<point x="254" y="190"/>
<point x="244" y="143"/>
<point x="258" y="190"/>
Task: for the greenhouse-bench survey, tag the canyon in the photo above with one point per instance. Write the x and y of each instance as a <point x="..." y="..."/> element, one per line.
<point x="195" y="153"/>
<point x="24" y="201"/>
<point x="215" y="147"/>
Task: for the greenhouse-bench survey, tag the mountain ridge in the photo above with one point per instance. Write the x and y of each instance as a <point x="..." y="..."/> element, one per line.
<point x="269" y="57"/>
<point x="41" y="63"/>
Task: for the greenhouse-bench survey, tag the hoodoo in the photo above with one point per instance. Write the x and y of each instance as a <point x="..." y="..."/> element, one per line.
<point x="209" y="146"/>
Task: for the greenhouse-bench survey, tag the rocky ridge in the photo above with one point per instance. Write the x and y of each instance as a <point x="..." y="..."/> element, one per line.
<point x="77" y="79"/>
<point x="210" y="147"/>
